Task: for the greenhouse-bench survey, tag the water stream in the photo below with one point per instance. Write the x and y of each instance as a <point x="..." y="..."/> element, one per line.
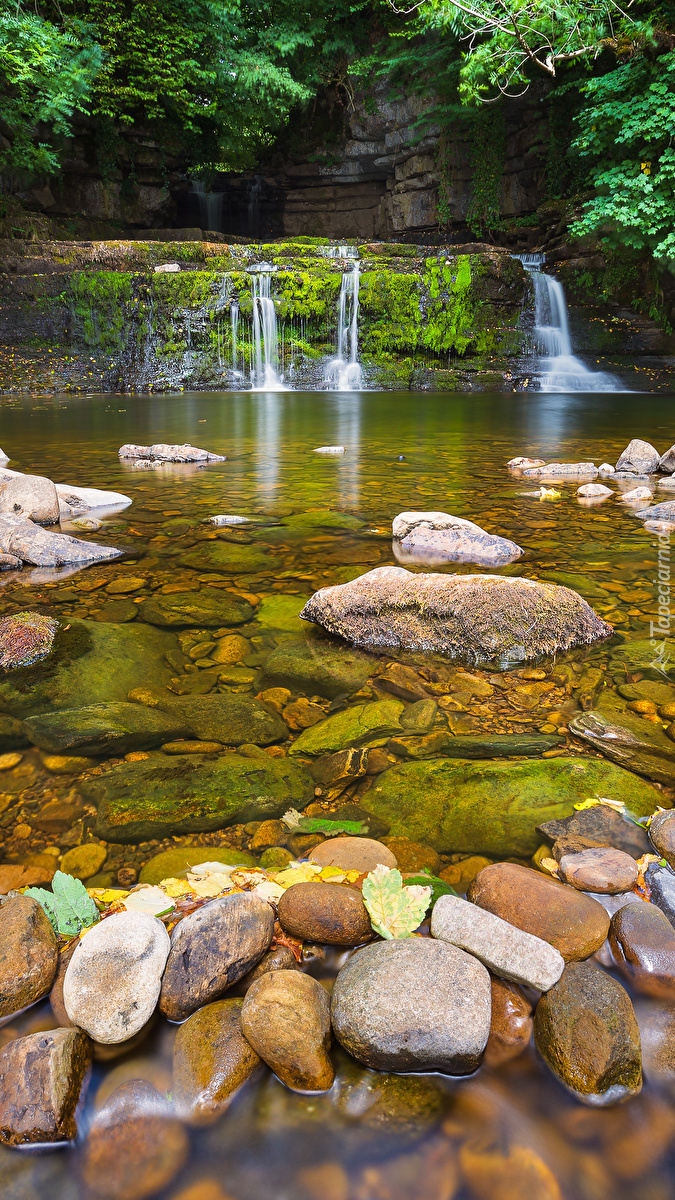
<point x="265" y="373"/>
<point x="344" y="371"/>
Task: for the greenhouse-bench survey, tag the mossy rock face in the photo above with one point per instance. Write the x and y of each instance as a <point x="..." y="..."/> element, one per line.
<point x="172" y="863"/>
<point x="103" y="729"/>
<point x="230" y="719"/>
<point x="494" y="808"/>
<point x="654" y="657"/>
<point x="323" y="519"/>
<point x="318" y="666"/>
<point x="360" y="725"/>
<point x="92" y="663"/>
<point x="211" y="607"/>
<point x="230" y="558"/>
<point x="159" y="797"/>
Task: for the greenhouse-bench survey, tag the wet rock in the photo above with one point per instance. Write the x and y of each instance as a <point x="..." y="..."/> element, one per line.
<point x="207" y="607"/>
<point x="494" y="808"/>
<point x="661" y="883"/>
<point x="25" y="638"/>
<point x="403" y="1105"/>
<point x="41" y="1078"/>
<point x="667" y="461"/>
<point x="594" y="489"/>
<point x="555" y="470"/>
<point x="413" y="1005"/>
<point x="325" y="912"/>
<point x="211" y="949"/>
<point x="135" y="1146"/>
<point x="657" y="1036"/>
<point x="433" y="538"/>
<point x="627" y="739"/>
<point x="488" y="616"/>
<point x="230" y="719"/>
<point x="278" y="959"/>
<point x="507" y="1175"/>
<point x="12" y="736"/>
<point x="413" y="856"/>
<point x="103" y="729"/>
<point x="269" y="834"/>
<point x="231" y="649"/>
<point x="600" y="869"/>
<point x="172" y="863"/>
<point x="323" y="519"/>
<point x="640" y="457"/>
<point x="643" y="943"/>
<point x="640" y="655"/>
<point x="13" y="877"/>
<point x="286" y="1018"/>
<point x="163" y="452"/>
<point x="63" y="764"/>
<point x="571" y="922"/>
<point x="230" y="559"/>
<point x="84" y="861"/>
<point x="30" y="496"/>
<point x="28" y="954"/>
<point x="459" y="874"/>
<point x="355" y="726"/>
<point x="419" y="717"/>
<point x="602" y="826"/>
<point x="585" y="1029"/>
<point x="353" y="854"/>
<point x="31" y="543"/>
<point x="521" y="463"/>
<point x="504" y="948"/>
<point x="511" y="1024"/>
<point x="318" y="666"/>
<point x="636" y="494"/>
<point x="275" y="859"/>
<point x="662" y="835"/>
<point x="335" y="771"/>
<point x="211" y="1059"/>
<point x="665" y="511"/>
<point x="112" y="982"/>
<point x="158" y="797"/>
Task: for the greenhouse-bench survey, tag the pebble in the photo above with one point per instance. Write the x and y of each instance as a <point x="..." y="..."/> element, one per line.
<point x="286" y="1019"/>
<point x="113" y="980"/>
<point x="354" y="854"/>
<point x="66" y="764"/>
<point x="601" y="869"/>
<point x="576" y="925"/>
<point x="500" y="946"/>
<point x="514" y="1174"/>
<point x="585" y="1028"/>
<point x="211" y="949"/>
<point x="84" y="861"/>
<point x="642" y="940"/>
<point x="211" y="1059"/>
<point x="413" y="1004"/>
<point x="460" y="874"/>
<point x="135" y="1146"/>
<point x="325" y="912"/>
<point x="28" y="954"/>
<point x="41" y="1078"/>
<point x="511" y="1025"/>
<point x="662" y="834"/>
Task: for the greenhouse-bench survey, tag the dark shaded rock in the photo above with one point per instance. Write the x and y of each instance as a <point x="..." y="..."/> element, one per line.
<point x="231" y="719"/>
<point x="627" y="739"/>
<point x="40" y="1082"/>
<point x="211" y="1059"/>
<point x="318" y="666"/>
<point x="286" y="1018"/>
<point x="403" y="682"/>
<point x="12" y="736"/>
<point x="661" y="883"/>
<point x="585" y="1029"/>
<point x="603" y="826"/>
<point x="325" y="912"/>
<point x="211" y="949"/>
<point x="103" y="729"/>
<point x="643" y="943"/>
<point x="572" y="922"/>
<point x="486" y="616"/>
<point x="511" y="1025"/>
<point x="25" y="638"/>
<point x="135" y="1146"/>
<point x="138" y="801"/>
<point x="405" y="1105"/>
<point x="662" y="835"/>
<point x="28" y="954"/>
<point x="281" y="958"/>
<point x="342" y="767"/>
<point x="208" y="606"/>
<point x="500" y="745"/>
<point x="118" y="612"/>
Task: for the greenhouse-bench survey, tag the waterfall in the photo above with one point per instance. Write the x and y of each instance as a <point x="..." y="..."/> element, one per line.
<point x="344" y="373"/>
<point x="561" y="370"/>
<point x="210" y="207"/>
<point x="265" y="372"/>
<point x="234" y="329"/>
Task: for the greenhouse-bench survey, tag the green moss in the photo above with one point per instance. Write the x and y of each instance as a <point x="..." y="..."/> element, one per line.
<point x="185" y="289"/>
<point x="98" y="302"/>
<point x="310" y="295"/>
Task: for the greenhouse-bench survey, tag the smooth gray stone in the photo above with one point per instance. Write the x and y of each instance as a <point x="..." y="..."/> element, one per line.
<point x="506" y="950"/>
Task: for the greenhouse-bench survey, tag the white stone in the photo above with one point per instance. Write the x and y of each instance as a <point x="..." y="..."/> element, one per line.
<point x="167" y="269"/>
<point x="30" y="496"/>
<point x="113" y="980"/>
<point x="4" y="457"/>
<point x="506" y="950"/>
<point x="77" y="500"/>
<point x="432" y="538"/>
<point x="168" y="453"/>
<point x="329" y="450"/>
<point x="518" y="464"/>
<point x="606" y="469"/>
<point x="32" y="544"/>
<point x="640" y="457"/>
<point x="556" y="470"/>
<point x="638" y="493"/>
<point x="594" y="489"/>
<point x="227" y="520"/>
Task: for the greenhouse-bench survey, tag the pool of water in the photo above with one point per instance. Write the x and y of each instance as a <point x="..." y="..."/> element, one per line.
<point x="509" y="1130"/>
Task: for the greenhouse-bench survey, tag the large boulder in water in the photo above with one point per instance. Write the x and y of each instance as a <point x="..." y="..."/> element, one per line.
<point x="482" y="616"/>
<point x="433" y="538"/>
<point x="23" y="539"/>
<point x="639" y="457"/>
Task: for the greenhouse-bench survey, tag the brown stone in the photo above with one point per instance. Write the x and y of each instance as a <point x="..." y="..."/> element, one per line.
<point x="353" y="854"/>
<point x="40" y="1082"/>
<point x="413" y="856"/>
<point x="403" y="682"/>
<point x="460" y="874"/>
<point x="516" y="1174"/>
<point x="511" y="1025"/>
<point x="302" y="715"/>
<point x="286" y="1018"/>
<point x="643" y="943"/>
<point x="231" y="649"/>
<point x="575" y="924"/>
<point x="135" y="1147"/>
<point x="57" y="816"/>
<point x="28" y="954"/>
<point x="604" y="825"/>
<point x="601" y="869"/>
<point x="378" y="761"/>
<point x="572" y="845"/>
<point x="211" y="1059"/>
<point x="281" y="958"/>
<point x="662" y="834"/>
<point x="211" y="949"/>
<point x="56" y="994"/>
<point x="269" y="834"/>
<point x="325" y="912"/>
<point x="13" y="877"/>
<point x="204" y="1189"/>
<point x="334" y="772"/>
<point x="586" y="1030"/>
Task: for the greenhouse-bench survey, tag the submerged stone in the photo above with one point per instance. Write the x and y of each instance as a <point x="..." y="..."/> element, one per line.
<point x="627" y="739"/>
<point x="171" y="863"/>
<point x="41" y="1078"/>
<point x="317" y="665"/>
<point x="211" y="1059"/>
<point x="231" y="559"/>
<point x="209" y="606"/>
<point x="655" y="661"/>
<point x="359" y="725"/>
<point x="232" y="720"/>
<point x="103" y="729"/>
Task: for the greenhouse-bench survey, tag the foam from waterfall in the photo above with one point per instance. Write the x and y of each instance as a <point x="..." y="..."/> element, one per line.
<point x="265" y="375"/>
<point x="343" y="372"/>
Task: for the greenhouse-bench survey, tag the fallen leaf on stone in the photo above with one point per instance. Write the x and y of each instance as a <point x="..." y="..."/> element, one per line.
<point x="300" y="873"/>
<point x="151" y="900"/>
<point x="68" y="906"/>
<point x="176" y="887"/>
<point x="268" y="890"/>
<point x="281" y="938"/>
<point x="395" y="911"/>
<point x="213" y="885"/>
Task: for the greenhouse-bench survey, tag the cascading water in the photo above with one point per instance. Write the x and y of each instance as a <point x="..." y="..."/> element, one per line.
<point x="344" y="373"/>
<point x="265" y="371"/>
<point x="210" y="207"/>
<point x="560" y="370"/>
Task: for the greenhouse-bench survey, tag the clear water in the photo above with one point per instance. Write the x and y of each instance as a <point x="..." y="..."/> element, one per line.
<point x="372" y="1137"/>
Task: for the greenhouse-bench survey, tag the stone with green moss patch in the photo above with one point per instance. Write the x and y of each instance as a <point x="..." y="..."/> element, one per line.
<point x="324" y="519"/>
<point x="359" y="725"/>
<point x="210" y="607"/>
<point x="318" y="666"/>
<point x="172" y="863"/>
<point x="229" y="558"/>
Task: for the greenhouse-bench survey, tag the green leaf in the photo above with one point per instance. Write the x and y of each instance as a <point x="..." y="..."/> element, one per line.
<point x="69" y="906"/>
<point x="395" y="911"/>
<point x="330" y="828"/>
<point x="438" y="886"/>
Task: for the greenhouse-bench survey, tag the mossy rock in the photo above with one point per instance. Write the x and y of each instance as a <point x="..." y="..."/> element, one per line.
<point x="318" y="666"/>
<point x="324" y="519"/>
<point x="282" y="613"/>
<point x="92" y="663"/>
<point x="360" y="725"/>
<point x="210" y="607"/>
<point x="103" y="729"/>
<point x="172" y="863"/>
<point x="494" y="808"/>
<point x="234" y="720"/>
<point x="12" y="734"/>
<point x="159" y="797"/>
<point x="654" y="657"/>
<point x="230" y="558"/>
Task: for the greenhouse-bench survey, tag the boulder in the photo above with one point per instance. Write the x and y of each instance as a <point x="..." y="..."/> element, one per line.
<point x="358" y="725"/>
<point x="325" y="912"/>
<point x="502" y="947"/>
<point x="103" y="729"/>
<point x="667" y="462"/>
<point x="585" y="1028"/>
<point x="25" y="638"/>
<point x="231" y="559"/>
<point x="23" y="539"/>
<point x="413" y="1004"/>
<point x="494" y="808"/>
<point x="41" y="1079"/>
<point x="318" y="666"/>
<point x="511" y="1023"/>
<point x="211" y="1060"/>
<point x="30" y="496"/>
<point x="665" y="511"/>
<point x="28" y="954"/>
<point x="135" y="1145"/>
<point x="286" y="1019"/>
<point x="433" y="538"/>
<point x="627" y="739"/>
<point x="594" y="490"/>
<point x="360" y="854"/>
<point x="642" y="940"/>
<point x="163" y="452"/>
<point x="233" y="720"/>
<point x="190" y="793"/>
<point x="599" y="869"/>
<point x="556" y="470"/>
<point x="573" y="923"/>
<point x="602" y="826"/>
<point x="208" y="607"/>
<point x="485" y="616"/>
<point x="76" y="500"/>
<point x="211" y="949"/>
<point x="640" y="457"/>
<point x="662" y="835"/>
<point x="112" y="982"/>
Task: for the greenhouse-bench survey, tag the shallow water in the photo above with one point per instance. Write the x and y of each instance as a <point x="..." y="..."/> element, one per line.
<point x="508" y="1131"/>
